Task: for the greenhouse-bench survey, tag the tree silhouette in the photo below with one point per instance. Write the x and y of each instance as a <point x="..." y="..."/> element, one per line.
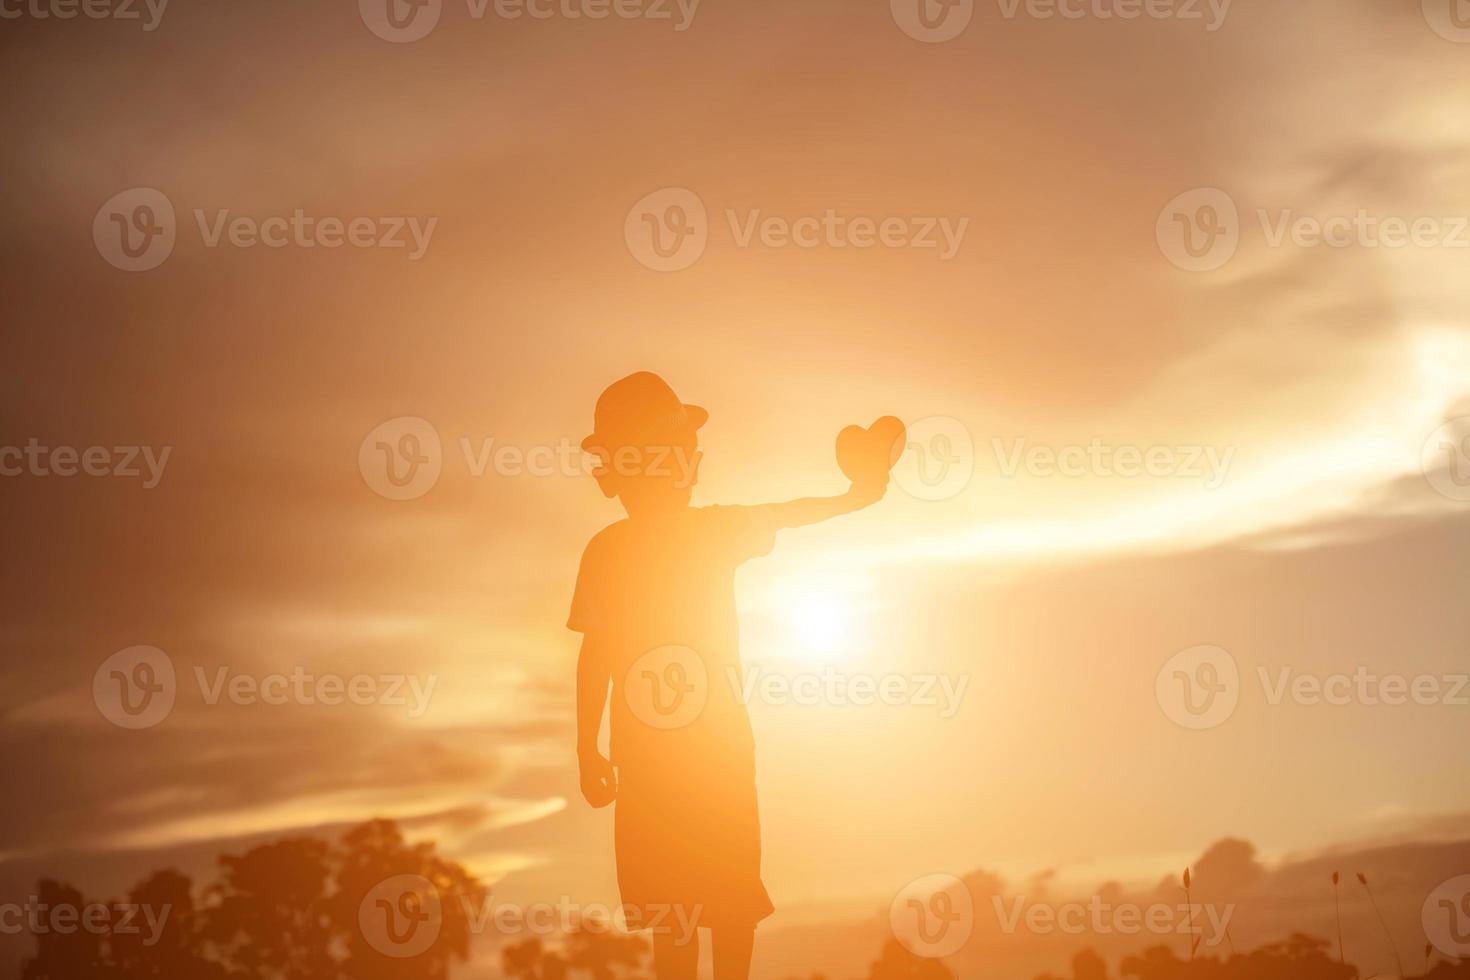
<point x="63" y="956"/>
<point x="592" y="950"/>
<point x="531" y="960"/>
<point x="282" y="911"/>
<point x="178" y="950"/>
<point x="269" y="914"/>
<point x="375" y="852"/>
<point x="897" y="963"/>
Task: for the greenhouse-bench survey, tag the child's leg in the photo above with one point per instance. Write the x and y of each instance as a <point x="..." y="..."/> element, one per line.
<point x="675" y="956"/>
<point x="732" y="949"/>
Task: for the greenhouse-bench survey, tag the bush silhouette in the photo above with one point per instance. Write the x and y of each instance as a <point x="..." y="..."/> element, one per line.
<point x="1298" y="958"/>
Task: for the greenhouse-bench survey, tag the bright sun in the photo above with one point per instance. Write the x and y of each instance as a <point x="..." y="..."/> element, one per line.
<point x="820" y="624"/>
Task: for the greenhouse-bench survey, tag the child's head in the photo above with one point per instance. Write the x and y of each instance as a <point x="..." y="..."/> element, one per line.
<point x="646" y="443"/>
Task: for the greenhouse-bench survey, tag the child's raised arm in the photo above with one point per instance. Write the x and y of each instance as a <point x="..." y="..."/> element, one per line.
<point x="866" y="456"/>
<point x="814" y="510"/>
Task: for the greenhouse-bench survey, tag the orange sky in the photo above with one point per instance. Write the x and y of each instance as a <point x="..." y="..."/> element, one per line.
<point x="1316" y="375"/>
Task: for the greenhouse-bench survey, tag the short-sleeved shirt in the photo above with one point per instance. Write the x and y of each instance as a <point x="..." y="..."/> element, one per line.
<point x="658" y="595"/>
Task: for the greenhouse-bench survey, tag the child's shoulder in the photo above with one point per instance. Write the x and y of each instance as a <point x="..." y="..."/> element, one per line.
<point x="609" y="535"/>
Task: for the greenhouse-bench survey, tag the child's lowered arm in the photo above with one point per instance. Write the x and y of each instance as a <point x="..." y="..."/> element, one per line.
<point x="599" y="780"/>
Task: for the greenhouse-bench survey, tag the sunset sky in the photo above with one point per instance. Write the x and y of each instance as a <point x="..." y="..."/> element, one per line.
<point x="1330" y="536"/>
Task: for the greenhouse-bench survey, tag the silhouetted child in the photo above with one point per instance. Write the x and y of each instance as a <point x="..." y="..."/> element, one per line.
<point x="655" y="602"/>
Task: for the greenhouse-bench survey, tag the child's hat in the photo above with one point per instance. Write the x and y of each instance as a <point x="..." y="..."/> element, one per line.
<point x="641" y="410"/>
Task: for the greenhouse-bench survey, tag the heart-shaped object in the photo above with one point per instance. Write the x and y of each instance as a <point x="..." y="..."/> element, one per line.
<point x="868" y="454"/>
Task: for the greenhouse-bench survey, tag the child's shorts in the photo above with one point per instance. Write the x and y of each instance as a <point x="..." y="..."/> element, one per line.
<point x="689" y="843"/>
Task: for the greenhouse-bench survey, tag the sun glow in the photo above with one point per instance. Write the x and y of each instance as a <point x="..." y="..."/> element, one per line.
<point x="811" y="622"/>
<point x="821" y="624"/>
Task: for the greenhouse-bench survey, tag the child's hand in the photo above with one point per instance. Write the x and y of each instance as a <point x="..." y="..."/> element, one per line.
<point x="599" y="779"/>
<point x="867" y="491"/>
